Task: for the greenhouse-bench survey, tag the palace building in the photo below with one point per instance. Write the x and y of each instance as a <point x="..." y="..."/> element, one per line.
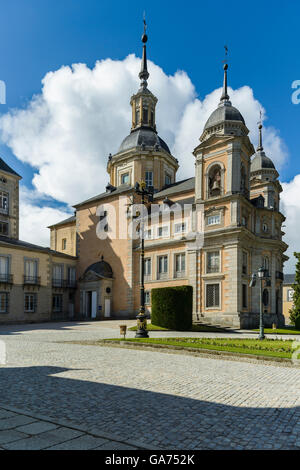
<point x="237" y="191"/>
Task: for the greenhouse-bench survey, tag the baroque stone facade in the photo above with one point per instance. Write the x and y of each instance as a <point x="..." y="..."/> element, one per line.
<point x="230" y="228"/>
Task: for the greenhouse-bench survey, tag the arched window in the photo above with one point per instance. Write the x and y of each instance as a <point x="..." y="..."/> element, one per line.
<point x="137" y="116"/>
<point x="145" y="115"/>
<point x="214" y="181"/>
<point x="243" y="180"/>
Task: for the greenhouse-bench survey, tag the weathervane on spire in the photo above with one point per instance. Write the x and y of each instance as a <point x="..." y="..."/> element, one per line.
<point x="225" y="96"/>
<point x="226" y="54"/>
<point x="260" y="126"/>
<point x="145" y="37"/>
<point x="144" y="75"/>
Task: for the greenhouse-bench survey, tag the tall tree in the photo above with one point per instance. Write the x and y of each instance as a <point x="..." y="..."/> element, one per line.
<point x="295" y="310"/>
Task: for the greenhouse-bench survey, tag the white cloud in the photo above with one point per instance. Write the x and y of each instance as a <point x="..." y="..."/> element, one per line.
<point x="291" y="209"/>
<point x="35" y="219"/>
<point x="82" y="114"/>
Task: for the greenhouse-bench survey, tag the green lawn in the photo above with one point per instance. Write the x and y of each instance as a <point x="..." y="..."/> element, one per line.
<point x="288" y="330"/>
<point x="204" y="328"/>
<point x="267" y="347"/>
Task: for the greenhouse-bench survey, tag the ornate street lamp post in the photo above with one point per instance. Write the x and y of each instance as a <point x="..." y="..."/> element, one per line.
<point x="142" y="331"/>
<point x="262" y="275"/>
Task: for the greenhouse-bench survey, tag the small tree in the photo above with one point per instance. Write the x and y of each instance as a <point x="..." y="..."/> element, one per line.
<point x="295" y="310"/>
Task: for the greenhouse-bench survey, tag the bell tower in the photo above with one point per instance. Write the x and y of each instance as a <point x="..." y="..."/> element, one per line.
<point x="143" y="155"/>
<point x="223" y="156"/>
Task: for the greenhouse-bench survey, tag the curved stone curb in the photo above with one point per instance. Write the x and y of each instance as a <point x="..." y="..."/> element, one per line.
<point x="196" y="351"/>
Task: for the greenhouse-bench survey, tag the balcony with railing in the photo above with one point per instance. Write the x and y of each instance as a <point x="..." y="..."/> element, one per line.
<point x="213" y="269"/>
<point x="64" y="283"/>
<point x="71" y="283"/>
<point x="6" y="278"/>
<point x="31" y="280"/>
<point x="60" y="283"/>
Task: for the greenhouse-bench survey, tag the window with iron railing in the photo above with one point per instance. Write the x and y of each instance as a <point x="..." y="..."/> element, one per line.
<point x="162" y="267"/>
<point x="213" y="262"/>
<point x="4" y="228"/>
<point x="3" y="202"/>
<point x="212" y="295"/>
<point x="147" y="268"/>
<point x="30" y="303"/>
<point x="57" y="277"/>
<point x="31" y="271"/>
<point x="180" y="265"/>
<point x="57" y="303"/>
<point x="4" y="300"/>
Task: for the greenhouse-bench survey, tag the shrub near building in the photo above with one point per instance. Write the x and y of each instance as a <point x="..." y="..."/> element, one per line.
<point x="172" y="307"/>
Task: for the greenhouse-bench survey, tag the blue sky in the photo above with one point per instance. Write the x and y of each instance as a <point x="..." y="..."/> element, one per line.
<point x="38" y="36"/>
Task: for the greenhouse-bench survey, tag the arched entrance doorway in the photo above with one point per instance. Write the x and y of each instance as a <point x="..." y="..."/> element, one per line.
<point x="96" y="291"/>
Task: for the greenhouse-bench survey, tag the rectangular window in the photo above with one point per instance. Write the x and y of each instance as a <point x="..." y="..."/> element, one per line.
<point x="147" y="298"/>
<point x="245" y="263"/>
<point x="167" y="179"/>
<point x="30" y="275"/>
<point x="180" y="265"/>
<point x="4" y="268"/>
<point x="3" y="302"/>
<point x="3" y="202"/>
<point x="145" y="115"/>
<point x="162" y="267"/>
<point x="64" y="244"/>
<point x="163" y="231"/>
<point x="245" y="295"/>
<point x="3" y="228"/>
<point x="212" y="295"/>
<point x="147" y="267"/>
<point x="125" y="178"/>
<point x="71" y="277"/>
<point x="30" y="301"/>
<point x="214" y="219"/>
<point x="137" y="116"/>
<point x="213" y="262"/>
<point x="57" y="275"/>
<point x="148" y="234"/>
<point x="149" y="178"/>
<point x="180" y="228"/>
<point x="57" y="303"/>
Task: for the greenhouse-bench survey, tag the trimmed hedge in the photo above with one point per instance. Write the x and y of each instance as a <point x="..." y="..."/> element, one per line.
<point x="172" y="307"/>
<point x="297" y="323"/>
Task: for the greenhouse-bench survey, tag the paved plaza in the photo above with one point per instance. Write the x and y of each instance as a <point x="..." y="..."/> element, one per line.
<point x="64" y="395"/>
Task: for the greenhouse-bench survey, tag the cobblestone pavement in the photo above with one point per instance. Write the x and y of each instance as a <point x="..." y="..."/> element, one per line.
<point x="161" y="400"/>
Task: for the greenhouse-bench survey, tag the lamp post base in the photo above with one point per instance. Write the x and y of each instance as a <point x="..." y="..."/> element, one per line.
<point x="142" y="331"/>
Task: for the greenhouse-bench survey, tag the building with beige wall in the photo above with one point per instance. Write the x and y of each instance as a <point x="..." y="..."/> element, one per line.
<point x="36" y="283"/>
<point x="232" y="224"/>
<point x="287" y="295"/>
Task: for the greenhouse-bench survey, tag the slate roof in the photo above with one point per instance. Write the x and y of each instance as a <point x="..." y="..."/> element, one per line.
<point x="145" y="136"/>
<point x="175" y="188"/>
<point x="121" y="189"/>
<point x="5" y="167"/>
<point x="224" y="112"/>
<point x="289" y="279"/>
<point x="65" y="221"/>
<point x="31" y="246"/>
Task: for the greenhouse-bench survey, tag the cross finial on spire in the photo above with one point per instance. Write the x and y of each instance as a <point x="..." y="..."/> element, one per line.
<point x="225" y="96"/>
<point x="144" y="75"/>
<point x="260" y="126"/>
